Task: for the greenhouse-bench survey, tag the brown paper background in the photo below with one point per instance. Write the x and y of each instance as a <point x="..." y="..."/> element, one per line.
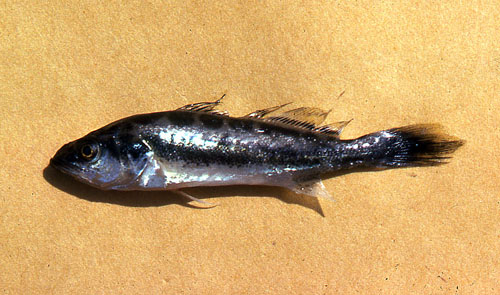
<point x="67" y="69"/>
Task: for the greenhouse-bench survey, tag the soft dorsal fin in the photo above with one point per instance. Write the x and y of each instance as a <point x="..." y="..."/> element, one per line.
<point x="291" y="122"/>
<point x="206" y="107"/>
<point x="305" y="117"/>
<point x="258" y="114"/>
<point x="333" y="129"/>
<point x="310" y="115"/>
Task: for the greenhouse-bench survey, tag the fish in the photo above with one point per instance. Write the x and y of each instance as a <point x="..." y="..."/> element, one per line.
<point x="199" y="145"/>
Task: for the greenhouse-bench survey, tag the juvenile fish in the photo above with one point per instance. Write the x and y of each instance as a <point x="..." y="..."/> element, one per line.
<point x="197" y="145"/>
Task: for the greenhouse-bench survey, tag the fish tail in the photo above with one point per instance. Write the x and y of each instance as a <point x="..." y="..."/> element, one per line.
<point x="414" y="145"/>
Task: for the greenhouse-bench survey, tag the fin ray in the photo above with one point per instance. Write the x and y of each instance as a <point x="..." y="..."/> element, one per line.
<point x="258" y="114"/>
<point x="184" y="194"/>
<point x="333" y="129"/>
<point x="313" y="188"/>
<point x="311" y="115"/>
<point x="205" y="107"/>
<point x="304" y="117"/>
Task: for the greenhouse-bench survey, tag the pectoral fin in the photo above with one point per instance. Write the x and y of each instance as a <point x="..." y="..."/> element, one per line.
<point x="184" y="194"/>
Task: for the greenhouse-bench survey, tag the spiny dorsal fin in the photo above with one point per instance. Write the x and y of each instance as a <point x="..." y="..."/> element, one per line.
<point x="333" y="129"/>
<point x="258" y="114"/>
<point x="305" y="117"/>
<point x="206" y="107"/>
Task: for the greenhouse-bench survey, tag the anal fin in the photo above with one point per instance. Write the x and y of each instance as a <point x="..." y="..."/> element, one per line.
<point x="313" y="188"/>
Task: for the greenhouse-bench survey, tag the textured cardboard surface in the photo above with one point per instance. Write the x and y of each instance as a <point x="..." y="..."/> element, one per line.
<point x="66" y="69"/>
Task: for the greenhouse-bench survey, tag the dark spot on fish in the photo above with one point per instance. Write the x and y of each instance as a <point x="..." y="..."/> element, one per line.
<point x="212" y="121"/>
<point x="223" y="142"/>
<point x="136" y="150"/>
<point x="112" y="147"/>
<point x="309" y="136"/>
<point x="125" y="138"/>
<point x="180" y="118"/>
<point x="127" y="128"/>
<point x="273" y="128"/>
<point x="145" y="119"/>
<point x="240" y="124"/>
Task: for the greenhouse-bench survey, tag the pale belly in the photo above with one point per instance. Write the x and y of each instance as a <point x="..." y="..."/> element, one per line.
<point x="158" y="175"/>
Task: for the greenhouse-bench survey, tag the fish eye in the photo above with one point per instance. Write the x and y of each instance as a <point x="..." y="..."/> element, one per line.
<point x="88" y="151"/>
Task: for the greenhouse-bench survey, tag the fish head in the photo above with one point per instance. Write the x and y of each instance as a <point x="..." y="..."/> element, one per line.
<point x="102" y="159"/>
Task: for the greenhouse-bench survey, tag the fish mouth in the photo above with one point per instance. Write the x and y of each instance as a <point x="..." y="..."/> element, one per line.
<point x="62" y="166"/>
<point x="69" y="169"/>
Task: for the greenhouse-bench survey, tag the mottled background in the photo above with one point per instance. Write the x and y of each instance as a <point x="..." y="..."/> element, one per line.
<point x="68" y="68"/>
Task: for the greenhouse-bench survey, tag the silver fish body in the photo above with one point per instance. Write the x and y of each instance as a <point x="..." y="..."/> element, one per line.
<point x="196" y="146"/>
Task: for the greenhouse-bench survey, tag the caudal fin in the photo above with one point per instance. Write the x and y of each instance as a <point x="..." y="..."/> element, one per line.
<point x="414" y="145"/>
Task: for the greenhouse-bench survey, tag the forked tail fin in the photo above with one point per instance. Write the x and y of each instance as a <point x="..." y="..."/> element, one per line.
<point x="414" y="145"/>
